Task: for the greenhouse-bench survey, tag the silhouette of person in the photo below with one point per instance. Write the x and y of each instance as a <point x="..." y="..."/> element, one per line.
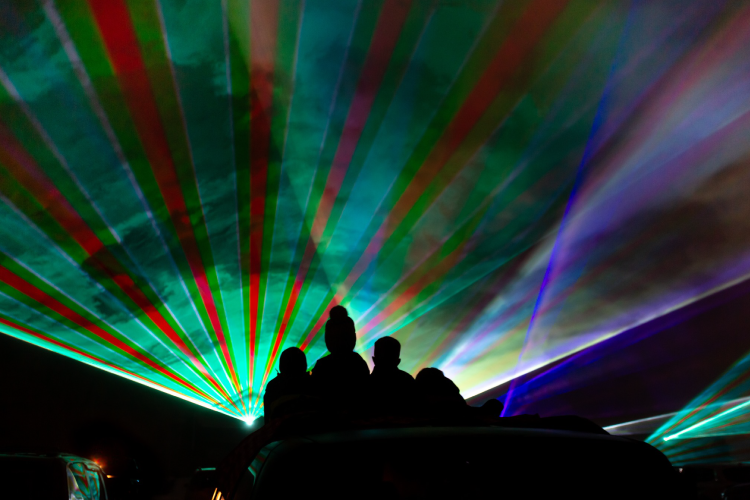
<point x="285" y="393"/>
<point x="436" y="393"/>
<point x="491" y="408"/>
<point x="341" y="376"/>
<point x="390" y="389"/>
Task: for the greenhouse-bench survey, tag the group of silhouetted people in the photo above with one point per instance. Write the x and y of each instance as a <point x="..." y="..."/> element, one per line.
<point x="342" y="380"/>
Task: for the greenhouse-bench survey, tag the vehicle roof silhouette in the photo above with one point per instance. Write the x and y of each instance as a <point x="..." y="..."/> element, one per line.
<point x="317" y="449"/>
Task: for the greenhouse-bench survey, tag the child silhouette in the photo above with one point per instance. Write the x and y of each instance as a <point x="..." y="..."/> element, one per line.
<point x="341" y="376"/>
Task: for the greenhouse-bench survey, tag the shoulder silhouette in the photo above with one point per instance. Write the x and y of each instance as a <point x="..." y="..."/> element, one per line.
<point x="436" y="393"/>
<point x="341" y="376"/>
<point x="286" y="392"/>
<point x="391" y="390"/>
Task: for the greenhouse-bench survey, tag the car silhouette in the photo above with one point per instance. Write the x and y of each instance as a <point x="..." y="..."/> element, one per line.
<point x="451" y="462"/>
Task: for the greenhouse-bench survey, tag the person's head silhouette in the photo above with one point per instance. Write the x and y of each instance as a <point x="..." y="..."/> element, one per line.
<point x="340" y="334"/>
<point x="293" y="362"/>
<point x="432" y="382"/>
<point x="387" y="352"/>
<point x="492" y="408"/>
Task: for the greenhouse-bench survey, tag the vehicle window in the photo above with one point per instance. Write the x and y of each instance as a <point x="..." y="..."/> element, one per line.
<point x="737" y="474"/>
<point x="32" y="478"/>
<point x="84" y="483"/>
<point x="101" y="491"/>
<point x="247" y="481"/>
<point x="261" y="457"/>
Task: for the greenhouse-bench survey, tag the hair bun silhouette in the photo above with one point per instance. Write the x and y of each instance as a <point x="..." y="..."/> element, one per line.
<point x="340" y="334"/>
<point x="338" y="312"/>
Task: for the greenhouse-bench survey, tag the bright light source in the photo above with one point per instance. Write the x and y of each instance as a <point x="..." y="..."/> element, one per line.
<point x="249" y="420"/>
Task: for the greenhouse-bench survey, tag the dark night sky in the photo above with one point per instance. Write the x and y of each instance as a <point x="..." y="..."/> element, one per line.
<point x="51" y="402"/>
<point x="656" y="368"/>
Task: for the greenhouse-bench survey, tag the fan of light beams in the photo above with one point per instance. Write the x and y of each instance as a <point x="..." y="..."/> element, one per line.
<point x="187" y="186"/>
<point x="694" y="434"/>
